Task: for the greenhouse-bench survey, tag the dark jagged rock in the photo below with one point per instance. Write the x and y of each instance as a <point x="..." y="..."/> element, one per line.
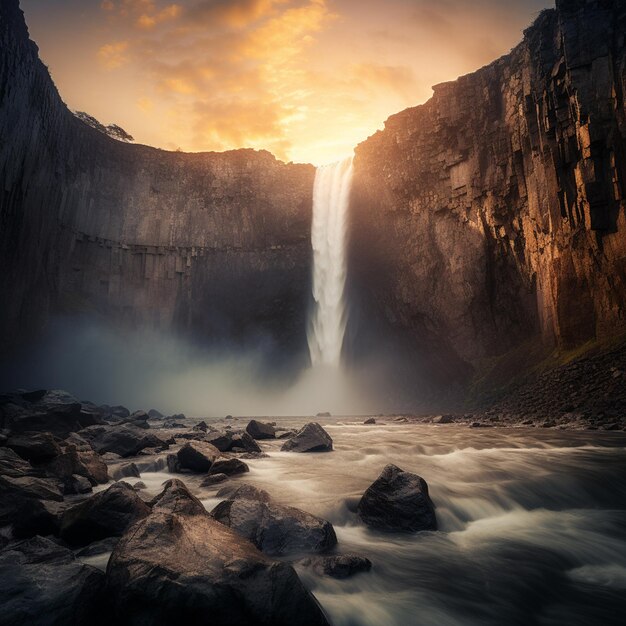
<point x="275" y="529"/>
<point x="180" y="566"/>
<point x="54" y="411"/>
<point x="310" y="438"/>
<point x="127" y="470"/>
<point x="228" y="466"/>
<point x="260" y="430"/>
<point x="173" y="464"/>
<point x="72" y="462"/>
<point x="370" y="420"/>
<point x="176" y="498"/>
<point x="197" y="456"/>
<point x="244" y="491"/>
<point x="222" y="441"/>
<point x="35" y="447"/>
<point x="30" y="504"/>
<point x="213" y="479"/>
<point x="77" y="484"/>
<point x="98" y="547"/>
<point x="42" y="583"/>
<point x="443" y="419"/>
<point x="105" y="514"/>
<point x="154" y="414"/>
<point x="11" y="464"/>
<point x="338" y="566"/>
<point x="125" y="440"/>
<point x="398" y="501"/>
<point x="245" y="441"/>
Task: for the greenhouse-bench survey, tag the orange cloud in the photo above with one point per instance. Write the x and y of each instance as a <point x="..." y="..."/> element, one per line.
<point x="113" y="55"/>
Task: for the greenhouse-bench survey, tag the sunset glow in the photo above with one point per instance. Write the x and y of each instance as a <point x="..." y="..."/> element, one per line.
<point x="305" y="79"/>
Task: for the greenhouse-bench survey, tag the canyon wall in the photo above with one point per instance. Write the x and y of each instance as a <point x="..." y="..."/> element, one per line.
<point x="495" y="212"/>
<point x="217" y="244"/>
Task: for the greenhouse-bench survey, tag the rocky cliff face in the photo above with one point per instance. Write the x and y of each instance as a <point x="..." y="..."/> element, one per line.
<point x="214" y="243"/>
<point x="495" y="212"/>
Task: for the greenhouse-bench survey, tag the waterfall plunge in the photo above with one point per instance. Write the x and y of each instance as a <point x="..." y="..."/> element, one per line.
<point x="331" y="196"/>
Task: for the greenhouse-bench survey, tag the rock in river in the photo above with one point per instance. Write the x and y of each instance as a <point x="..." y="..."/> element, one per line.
<point x="106" y="514"/>
<point x="310" y="438"/>
<point x="260" y="430"/>
<point x="197" y="456"/>
<point x="181" y="566"/>
<point x="42" y="583"/>
<point x="273" y="528"/>
<point x="398" y="501"/>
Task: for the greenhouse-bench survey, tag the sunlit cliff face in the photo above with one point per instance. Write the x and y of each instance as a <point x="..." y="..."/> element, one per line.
<point x="305" y="79"/>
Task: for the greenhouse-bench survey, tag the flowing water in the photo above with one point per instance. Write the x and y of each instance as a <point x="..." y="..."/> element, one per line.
<point x="532" y="523"/>
<point x="331" y="196"/>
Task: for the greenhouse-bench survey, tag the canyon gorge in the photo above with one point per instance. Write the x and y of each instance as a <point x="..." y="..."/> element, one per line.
<point x="488" y="219"/>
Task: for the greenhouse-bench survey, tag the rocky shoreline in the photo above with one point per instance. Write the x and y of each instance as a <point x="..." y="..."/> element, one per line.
<point x="66" y="499"/>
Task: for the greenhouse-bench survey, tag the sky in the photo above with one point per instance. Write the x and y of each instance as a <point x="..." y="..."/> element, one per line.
<point x="305" y="79"/>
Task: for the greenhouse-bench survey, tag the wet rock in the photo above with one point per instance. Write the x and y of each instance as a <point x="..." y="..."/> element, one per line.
<point x="77" y="485"/>
<point x="140" y="485"/>
<point x="254" y="455"/>
<point x="11" y="464"/>
<point x="244" y="491"/>
<point x="138" y="419"/>
<point x="310" y="438"/>
<point x="228" y="466"/>
<point x="245" y="441"/>
<point x="125" y="440"/>
<point x="35" y="447"/>
<point x="173" y="464"/>
<point x="442" y="419"/>
<point x="324" y="414"/>
<point x="260" y="430"/>
<point x="176" y="498"/>
<point x="182" y="566"/>
<point x="154" y="414"/>
<point x="213" y="479"/>
<point x="81" y="444"/>
<point x="371" y="420"/>
<point x="98" y="547"/>
<point x="338" y="566"/>
<point x="74" y="462"/>
<point x="276" y="529"/>
<point x="197" y="456"/>
<point x="42" y="583"/>
<point x="53" y="411"/>
<point x="105" y="514"/>
<point x="202" y="426"/>
<point x="127" y="470"/>
<point x="398" y="501"/>
<point x="222" y="441"/>
<point x="30" y="504"/>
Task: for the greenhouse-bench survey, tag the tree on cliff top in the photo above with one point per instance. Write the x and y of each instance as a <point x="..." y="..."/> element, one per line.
<point x="112" y="130"/>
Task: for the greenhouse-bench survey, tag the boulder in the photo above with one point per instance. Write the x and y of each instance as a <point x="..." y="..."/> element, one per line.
<point x="138" y="419"/>
<point x="398" y="501"/>
<point x="125" y="440"/>
<point x="53" y="411"/>
<point x="105" y="514"/>
<point x="244" y="441"/>
<point x="442" y="419"/>
<point x="31" y="505"/>
<point x="173" y="465"/>
<point x="42" y="583"/>
<point x="222" y="441"/>
<point x="74" y="462"/>
<point x="228" y="466"/>
<point x="127" y="470"/>
<point x="275" y="529"/>
<point x="338" y="565"/>
<point x="35" y="447"/>
<point x="11" y="464"/>
<point x="81" y="444"/>
<point x="260" y="430"/>
<point x="155" y="415"/>
<point x="323" y="414"/>
<point x="244" y="491"/>
<point x="197" y="456"/>
<point x="176" y="498"/>
<point x="77" y="485"/>
<point x="285" y="434"/>
<point x="310" y="438"/>
<point x="202" y="426"/>
<point x="371" y="420"/>
<point x="213" y="479"/>
<point x="183" y="567"/>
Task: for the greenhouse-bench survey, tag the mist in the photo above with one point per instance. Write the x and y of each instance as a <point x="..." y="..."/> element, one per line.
<point x="143" y="369"/>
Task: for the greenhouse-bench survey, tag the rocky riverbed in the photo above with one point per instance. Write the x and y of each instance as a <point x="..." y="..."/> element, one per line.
<point x="147" y="519"/>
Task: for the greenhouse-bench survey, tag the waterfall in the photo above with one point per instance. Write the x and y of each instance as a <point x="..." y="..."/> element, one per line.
<point x="331" y="196"/>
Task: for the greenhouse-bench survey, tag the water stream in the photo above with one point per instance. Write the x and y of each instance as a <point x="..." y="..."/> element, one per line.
<point x="532" y="523"/>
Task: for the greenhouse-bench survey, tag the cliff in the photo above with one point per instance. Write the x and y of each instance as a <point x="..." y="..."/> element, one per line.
<point x="494" y="213"/>
<point x="216" y="244"/>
